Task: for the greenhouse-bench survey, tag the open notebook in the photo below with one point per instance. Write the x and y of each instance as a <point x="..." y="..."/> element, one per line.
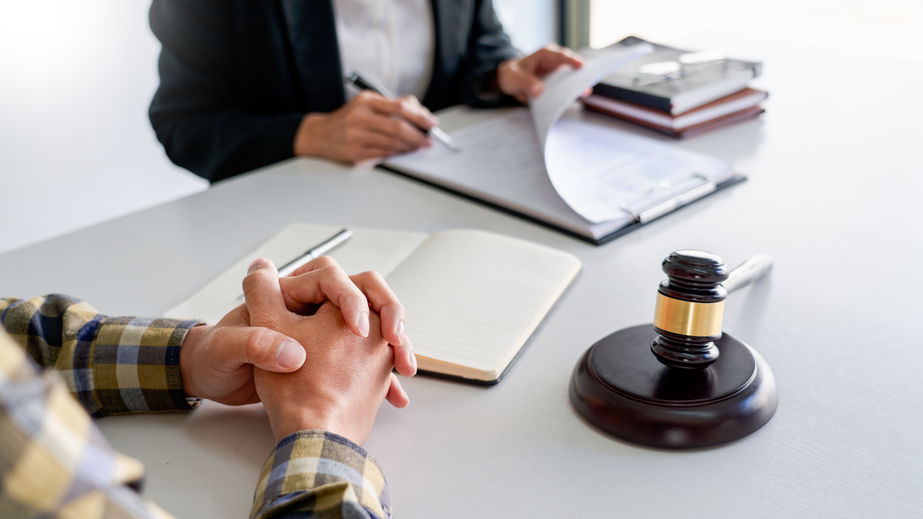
<point x="473" y="298"/>
<point x="570" y="170"/>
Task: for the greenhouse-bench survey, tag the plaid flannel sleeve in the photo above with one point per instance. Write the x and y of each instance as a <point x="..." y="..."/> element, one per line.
<point x="54" y="462"/>
<point x="111" y="364"/>
<point x="320" y="474"/>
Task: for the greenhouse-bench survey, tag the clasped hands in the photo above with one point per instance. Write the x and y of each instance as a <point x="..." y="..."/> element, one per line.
<point x="318" y="348"/>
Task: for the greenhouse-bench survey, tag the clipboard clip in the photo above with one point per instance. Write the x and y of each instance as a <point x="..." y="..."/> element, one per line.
<point x="665" y="197"/>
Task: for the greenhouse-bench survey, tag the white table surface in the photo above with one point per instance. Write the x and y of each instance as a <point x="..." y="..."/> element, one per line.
<point x="833" y="196"/>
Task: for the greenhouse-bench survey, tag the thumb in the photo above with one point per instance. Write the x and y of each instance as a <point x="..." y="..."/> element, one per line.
<point x="261" y="347"/>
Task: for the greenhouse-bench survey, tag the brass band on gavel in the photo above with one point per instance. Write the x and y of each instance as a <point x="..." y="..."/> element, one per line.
<point x="688" y="318"/>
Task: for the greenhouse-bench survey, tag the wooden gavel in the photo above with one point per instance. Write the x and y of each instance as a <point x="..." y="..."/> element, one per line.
<point x="690" y="305"/>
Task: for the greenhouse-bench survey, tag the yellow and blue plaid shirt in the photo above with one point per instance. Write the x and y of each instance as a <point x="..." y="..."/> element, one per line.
<point x="55" y="462"/>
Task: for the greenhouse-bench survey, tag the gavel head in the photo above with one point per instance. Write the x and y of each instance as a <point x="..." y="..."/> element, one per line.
<point x="690" y="305"/>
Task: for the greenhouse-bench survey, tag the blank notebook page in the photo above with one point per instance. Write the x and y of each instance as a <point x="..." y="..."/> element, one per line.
<point x="474" y="298"/>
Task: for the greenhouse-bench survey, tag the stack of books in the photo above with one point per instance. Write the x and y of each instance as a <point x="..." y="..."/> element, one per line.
<point x="679" y="92"/>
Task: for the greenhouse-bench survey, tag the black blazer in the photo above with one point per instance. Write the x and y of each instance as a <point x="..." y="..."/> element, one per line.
<point x="237" y="76"/>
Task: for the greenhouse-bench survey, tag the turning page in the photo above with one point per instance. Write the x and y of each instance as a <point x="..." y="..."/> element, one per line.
<point x="617" y="172"/>
<point x="565" y="85"/>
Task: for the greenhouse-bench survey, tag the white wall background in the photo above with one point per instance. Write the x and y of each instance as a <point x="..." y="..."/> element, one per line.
<point x="531" y="24"/>
<point x="76" y="147"/>
<point x="868" y="29"/>
<point x="75" y="144"/>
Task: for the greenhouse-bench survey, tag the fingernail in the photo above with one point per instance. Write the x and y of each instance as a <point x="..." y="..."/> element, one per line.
<point x="413" y="362"/>
<point x="399" y="331"/>
<point x="257" y="263"/>
<point x="362" y="324"/>
<point x="290" y="354"/>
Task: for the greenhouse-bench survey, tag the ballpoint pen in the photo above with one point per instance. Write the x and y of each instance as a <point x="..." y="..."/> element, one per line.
<point x="318" y="250"/>
<point x="362" y="83"/>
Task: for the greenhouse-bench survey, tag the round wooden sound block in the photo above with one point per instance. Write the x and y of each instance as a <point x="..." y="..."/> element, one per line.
<point x="620" y="387"/>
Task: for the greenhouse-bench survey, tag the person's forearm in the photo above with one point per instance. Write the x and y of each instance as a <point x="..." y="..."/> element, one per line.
<point x="309" y="139"/>
<point x="220" y="145"/>
<point x="114" y="364"/>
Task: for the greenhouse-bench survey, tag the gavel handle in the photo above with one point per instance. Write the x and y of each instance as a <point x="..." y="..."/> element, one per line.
<point x="747" y="272"/>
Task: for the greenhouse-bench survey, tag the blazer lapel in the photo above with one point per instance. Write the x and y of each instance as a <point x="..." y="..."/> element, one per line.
<point x="312" y="34"/>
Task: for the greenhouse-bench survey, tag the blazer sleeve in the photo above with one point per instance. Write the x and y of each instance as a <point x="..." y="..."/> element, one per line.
<point x="193" y="111"/>
<point x="489" y="46"/>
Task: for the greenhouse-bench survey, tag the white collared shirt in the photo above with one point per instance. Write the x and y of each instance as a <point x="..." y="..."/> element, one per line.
<point x="390" y="42"/>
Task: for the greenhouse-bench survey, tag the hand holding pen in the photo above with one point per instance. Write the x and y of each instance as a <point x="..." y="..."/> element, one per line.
<point x="436" y="132"/>
<point x="371" y="126"/>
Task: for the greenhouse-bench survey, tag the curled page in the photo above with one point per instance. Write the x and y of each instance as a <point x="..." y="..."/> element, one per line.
<point x="600" y="172"/>
<point x="565" y="85"/>
<point x="585" y="180"/>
